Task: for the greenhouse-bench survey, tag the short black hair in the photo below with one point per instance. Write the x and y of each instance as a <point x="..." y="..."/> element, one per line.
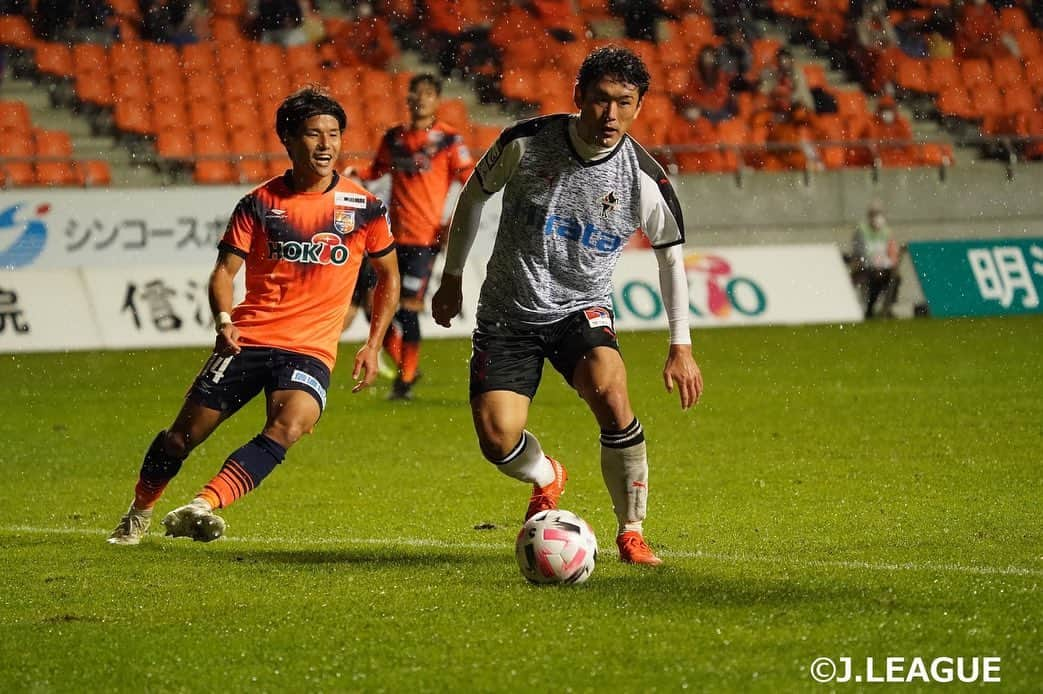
<point x="308" y="101"/>
<point x="616" y="63"/>
<point x="417" y="80"/>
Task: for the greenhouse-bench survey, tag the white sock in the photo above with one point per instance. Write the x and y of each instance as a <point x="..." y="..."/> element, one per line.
<point x="527" y="462"/>
<point x="202" y="503"/>
<point x="624" y="467"/>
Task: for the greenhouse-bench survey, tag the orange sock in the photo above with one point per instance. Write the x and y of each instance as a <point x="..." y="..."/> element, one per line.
<point x="410" y="360"/>
<point x="393" y="345"/>
<point x="147" y="493"/>
<point x="229" y="484"/>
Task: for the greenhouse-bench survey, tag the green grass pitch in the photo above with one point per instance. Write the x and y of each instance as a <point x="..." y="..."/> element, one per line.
<point x="856" y="491"/>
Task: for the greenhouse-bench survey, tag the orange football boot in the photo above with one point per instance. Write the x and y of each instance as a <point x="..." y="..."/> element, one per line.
<point x="546" y="498"/>
<point x="634" y="550"/>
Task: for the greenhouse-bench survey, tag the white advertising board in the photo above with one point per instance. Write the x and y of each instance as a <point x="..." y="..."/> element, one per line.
<point x="741" y="286"/>
<point x="160" y="305"/>
<point x="45" y="310"/>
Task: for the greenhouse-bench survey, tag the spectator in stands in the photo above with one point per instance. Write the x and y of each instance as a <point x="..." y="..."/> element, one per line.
<point x="736" y="57"/>
<point x="874" y="261"/>
<point x="888" y="136"/>
<point x="168" y="21"/>
<point x="979" y="33"/>
<point x="875" y="50"/>
<point x="729" y="14"/>
<point x="641" y="17"/>
<point x="785" y="74"/>
<point x="279" y="21"/>
<point x="366" y="40"/>
<point x="708" y="94"/>
<point x="791" y="142"/>
<point x="52" y="19"/>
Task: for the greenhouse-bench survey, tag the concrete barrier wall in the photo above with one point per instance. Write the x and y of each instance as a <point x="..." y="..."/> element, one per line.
<point x="972" y="200"/>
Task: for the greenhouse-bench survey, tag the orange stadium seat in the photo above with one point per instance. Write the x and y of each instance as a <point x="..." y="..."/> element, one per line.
<point x="252" y="170"/>
<point x="211" y="171"/>
<point x="58" y="173"/>
<point x="1028" y="43"/>
<point x="954" y="101"/>
<point x="174" y="144"/>
<point x="943" y="73"/>
<point x="94" y="172"/>
<point x="815" y="76"/>
<point x="54" y="59"/>
<point x="166" y="88"/>
<point x="127" y="61"/>
<point x="732" y="135"/>
<point x="911" y="75"/>
<point x="52" y="143"/>
<point x="1007" y="70"/>
<point x="277" y="166"/>
<point x="169" y="115"/>
<point x="203" y="88"/>
<point x="974" y="72"/>
<point x="245" y="142"/>
<point x="19" y="173"/>
<point x="15" y="32"/>
<point x="225" y="29"/>
<point x="204" y="114"/>
<point x="1013" y="19"/>
<point x="133" y="116"/>
<point x="986" y="100"/>
<point x="1034" y="73"/>
<point x="95" y="89"/>
<point x="454" y="112"/>
<point x="162" y="58"/>
<point x="14" y="118"/>
<point x="1018" y="98"/>
<point x="89" y="58"/>
<point x="198" y="58"/>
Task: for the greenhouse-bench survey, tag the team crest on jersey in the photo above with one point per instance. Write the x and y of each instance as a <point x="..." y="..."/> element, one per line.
<point x="608" y="203"/>
<point x="343" y="220"/>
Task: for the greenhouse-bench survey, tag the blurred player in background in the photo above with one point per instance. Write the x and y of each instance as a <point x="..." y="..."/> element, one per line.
<point x="424" y="157"/>
<point x="301" y="237"/>
<point x="575" y="188"/>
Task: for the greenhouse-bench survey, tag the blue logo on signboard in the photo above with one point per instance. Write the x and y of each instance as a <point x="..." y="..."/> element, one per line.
<point x="30" y="236"/>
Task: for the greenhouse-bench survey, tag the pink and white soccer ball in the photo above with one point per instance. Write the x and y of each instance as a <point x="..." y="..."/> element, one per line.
<point x="556" y="546"/>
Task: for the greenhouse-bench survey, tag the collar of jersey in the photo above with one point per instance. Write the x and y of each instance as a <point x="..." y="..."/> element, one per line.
<point x="287" y="179"/>
<point x="572" y="136"/>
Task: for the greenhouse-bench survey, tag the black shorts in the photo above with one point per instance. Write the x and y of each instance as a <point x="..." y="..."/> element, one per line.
<point x="228" y="383"/>
<point x="415" y="264"/>
<point x="366" y="281"/>
<point x="511" y="358"/>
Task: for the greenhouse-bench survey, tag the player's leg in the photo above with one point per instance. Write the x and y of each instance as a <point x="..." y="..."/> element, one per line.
<point x="296" y="388"/>
<point x="221" y="388"/>
<point x="505" y="373"/>
<point x="415" y="263"/>
<point x="589" y="354"/>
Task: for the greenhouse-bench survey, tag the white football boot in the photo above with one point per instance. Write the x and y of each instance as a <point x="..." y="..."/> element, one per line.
<point x="132" y="527"/>
<point x="194" y="520"/>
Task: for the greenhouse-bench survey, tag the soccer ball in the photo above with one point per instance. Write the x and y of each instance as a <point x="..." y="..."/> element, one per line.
<point x="556" y="546"/>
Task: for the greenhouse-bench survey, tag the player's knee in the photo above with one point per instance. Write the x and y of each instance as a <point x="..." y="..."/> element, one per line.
<point x="410" y="324"/>
<point x="611" y="399"/>
<point x="495" y="443"/>
<point x="286" y="433"/>
<point x="177" y="444"/>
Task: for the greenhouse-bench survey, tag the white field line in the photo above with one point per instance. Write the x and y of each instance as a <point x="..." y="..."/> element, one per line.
<point x="942" y="567"/>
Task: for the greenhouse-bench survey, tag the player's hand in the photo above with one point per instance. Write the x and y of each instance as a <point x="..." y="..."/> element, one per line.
<point x="682" y="371"/>
<point x="365" y="371"/>
<point x="227" y="343"/>
<point x="447" y="301"/>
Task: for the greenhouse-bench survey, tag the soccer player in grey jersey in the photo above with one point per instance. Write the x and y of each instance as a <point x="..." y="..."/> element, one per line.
<point x="575" y="189"/>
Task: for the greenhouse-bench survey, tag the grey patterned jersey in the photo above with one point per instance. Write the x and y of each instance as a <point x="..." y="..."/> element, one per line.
<point x="565" y="221"/>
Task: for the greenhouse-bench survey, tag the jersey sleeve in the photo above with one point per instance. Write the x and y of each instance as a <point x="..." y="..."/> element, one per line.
<point x="379" y="240"/>
<point x="460" y="162"/>
<point x="499" y="163"/>
<point x="661" y="218"/>
<point x="381" y="163"/>
<point x="242" y="227"/>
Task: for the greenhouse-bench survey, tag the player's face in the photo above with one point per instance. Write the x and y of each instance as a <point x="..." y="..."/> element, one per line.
<point x="315" y="150"/>
<point x="423" y="101"/>
<point x="606" y="111"/>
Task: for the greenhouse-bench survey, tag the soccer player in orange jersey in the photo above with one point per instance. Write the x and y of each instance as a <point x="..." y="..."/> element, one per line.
<point x="424" y="157"/>
<point x="300" y="237"/>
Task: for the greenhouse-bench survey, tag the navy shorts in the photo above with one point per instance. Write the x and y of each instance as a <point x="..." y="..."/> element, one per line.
<point x="366" y="281"/>
<point x="511" y="358"/>
<point x="228" y="383"/>
<point x="415" y="264"/>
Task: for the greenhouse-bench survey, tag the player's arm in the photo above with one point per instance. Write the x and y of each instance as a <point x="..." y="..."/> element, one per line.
<point x="380" y="165"/>
<point x="491" y="175"/>
<point x="220" y="291"/>
<point x="664" y="226"/>
<point x="385" y="303"/>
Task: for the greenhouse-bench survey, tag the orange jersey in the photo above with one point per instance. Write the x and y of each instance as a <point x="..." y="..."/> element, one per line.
<point x="423" y="164"/>
<point x="302" y="253"/>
